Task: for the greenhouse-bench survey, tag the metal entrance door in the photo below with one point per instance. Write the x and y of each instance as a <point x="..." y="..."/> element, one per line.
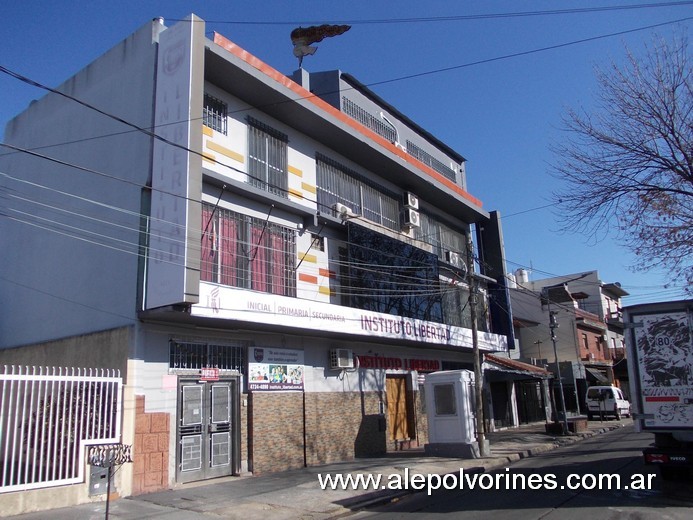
<point x="208" y="430"/>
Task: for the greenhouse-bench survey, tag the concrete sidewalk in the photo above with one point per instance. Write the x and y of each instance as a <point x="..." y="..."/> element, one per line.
<point x="297" y="493"/>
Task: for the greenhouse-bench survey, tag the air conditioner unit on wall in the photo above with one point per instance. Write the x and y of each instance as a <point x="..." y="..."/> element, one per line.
<point x="342" y="211"/>
<point x="453" y="258"/>
<point x="411" y="201"/>
<point x="411" y="218"/>
<point x="341" y="358"/>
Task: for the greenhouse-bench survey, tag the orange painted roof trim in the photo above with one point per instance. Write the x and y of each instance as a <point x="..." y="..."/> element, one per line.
<point x="277" y="76"/>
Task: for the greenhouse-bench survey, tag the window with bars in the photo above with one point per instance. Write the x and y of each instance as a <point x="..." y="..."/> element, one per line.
<point x="194" y="355"/>
<point x="368" y="120"/>
<point x="337" y="183"/>
<point x="431" y="161"/>
<point x="383" y="129"/>
<point x="242" y="251"/>
<point x="214" y="114"/>
<point x="267" y="158"/>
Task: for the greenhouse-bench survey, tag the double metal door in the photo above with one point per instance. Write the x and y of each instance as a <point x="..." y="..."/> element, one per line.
<point x="208" y="429"/>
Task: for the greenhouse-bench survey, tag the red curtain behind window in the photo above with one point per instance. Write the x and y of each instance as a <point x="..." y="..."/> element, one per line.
<point x="208" y="247"/>
<point x="228" y="233"/>
<point x="278" y="264"/>
<point x="258" y="264"/>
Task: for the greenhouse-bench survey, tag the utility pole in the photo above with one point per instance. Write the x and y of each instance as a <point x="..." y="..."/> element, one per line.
<point x="553" y="325"/>
<point x="478" y="377"/>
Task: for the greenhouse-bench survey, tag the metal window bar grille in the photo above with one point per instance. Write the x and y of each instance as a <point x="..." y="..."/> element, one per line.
<point x="196" y="355"/>
<point x="368" y="120"/>
<point x="381" y="128"/>
<point x="243" y="255"/>
<point x="214" y="114"/>
<point x="268" y="158"/>
<point x="47" y="417"/>
<point x="339" y="184"/>
<point x="431" y="161"/>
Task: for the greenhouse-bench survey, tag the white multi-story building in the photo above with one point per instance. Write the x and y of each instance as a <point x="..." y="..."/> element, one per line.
<point x="271" y="262"/>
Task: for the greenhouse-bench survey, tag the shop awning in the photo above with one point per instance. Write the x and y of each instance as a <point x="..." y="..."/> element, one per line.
<point x="597" y="375"/>
<point x="501" y="364"/>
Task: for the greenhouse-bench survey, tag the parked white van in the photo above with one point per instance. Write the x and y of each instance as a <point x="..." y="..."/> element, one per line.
<point x="608" y="401"/>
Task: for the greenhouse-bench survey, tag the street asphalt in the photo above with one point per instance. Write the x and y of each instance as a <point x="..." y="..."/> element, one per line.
<point x="297" y="494"/>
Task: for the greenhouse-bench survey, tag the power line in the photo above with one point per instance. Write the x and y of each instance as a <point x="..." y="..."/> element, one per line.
<point x="382" y="269"/>
<point x="679" y="291"/>
<point x="531" y="209"/>
<point x="293" y="100"/>
<point x="378" y="266"/>
<point x="99" y="238"/>
<point x="143" y="216"/>
<point x="67" y="300"/>
<point x="146" y="131"/>
<point x="455" y="18"/>
<point x="526" y="53"/>
<point x="150" y="133"/>
<point x="412" y="292"/>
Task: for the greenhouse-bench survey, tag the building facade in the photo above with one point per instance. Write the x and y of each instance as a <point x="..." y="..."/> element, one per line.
<point x="588" y="331"/>
<point x="272" y="262"/>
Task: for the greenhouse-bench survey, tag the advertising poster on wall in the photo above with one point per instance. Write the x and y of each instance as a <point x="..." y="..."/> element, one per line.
<point x="665" y="353"/>
<point x="271" y="369"/>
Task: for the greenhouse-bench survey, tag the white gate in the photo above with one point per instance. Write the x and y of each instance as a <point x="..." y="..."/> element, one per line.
<point x="47" y="417"/>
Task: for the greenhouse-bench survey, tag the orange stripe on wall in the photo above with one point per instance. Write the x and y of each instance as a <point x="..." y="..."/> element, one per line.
<point x="327" y="273"/>
<point x="307" y="278"/>
<point x="273" y="73"/>
<point x="295" y="171"/>
<point x="208" y="157"/>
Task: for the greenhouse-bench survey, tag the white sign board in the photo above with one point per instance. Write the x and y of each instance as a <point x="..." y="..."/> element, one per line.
<point x="239" y="304"/>
<point x="275" y="369"/>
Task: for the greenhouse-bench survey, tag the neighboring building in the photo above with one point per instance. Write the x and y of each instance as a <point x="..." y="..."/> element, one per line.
<point x="271" y="269"/>
<point x="516" y="393"/>
<point x="589" y="336"/>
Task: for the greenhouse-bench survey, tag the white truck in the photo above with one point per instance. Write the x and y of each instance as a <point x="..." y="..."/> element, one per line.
<point x="659" y="348"/>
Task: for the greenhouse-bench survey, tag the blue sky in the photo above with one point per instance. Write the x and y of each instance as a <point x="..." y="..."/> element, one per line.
<point x="474" y="81"/>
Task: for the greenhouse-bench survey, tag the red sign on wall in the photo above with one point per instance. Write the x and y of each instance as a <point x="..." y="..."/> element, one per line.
<point x="209" y="374"/>
<point x="396" y="363"/>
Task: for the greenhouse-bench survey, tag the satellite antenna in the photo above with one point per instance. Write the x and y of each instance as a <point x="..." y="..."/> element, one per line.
<point x="303" y="37"/>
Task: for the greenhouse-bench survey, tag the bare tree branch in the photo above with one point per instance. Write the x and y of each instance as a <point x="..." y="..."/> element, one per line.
<point x="628" y="167"/>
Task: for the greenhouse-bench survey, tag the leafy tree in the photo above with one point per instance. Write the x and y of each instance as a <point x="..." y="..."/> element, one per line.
<point x="628" y="167"/>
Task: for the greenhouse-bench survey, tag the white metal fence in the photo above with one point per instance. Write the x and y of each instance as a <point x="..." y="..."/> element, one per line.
<point x="47" y="417"/>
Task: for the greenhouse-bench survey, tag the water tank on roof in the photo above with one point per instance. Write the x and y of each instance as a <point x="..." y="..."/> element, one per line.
<point x="512" y="282"/>
<point x="522" y="276"/>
